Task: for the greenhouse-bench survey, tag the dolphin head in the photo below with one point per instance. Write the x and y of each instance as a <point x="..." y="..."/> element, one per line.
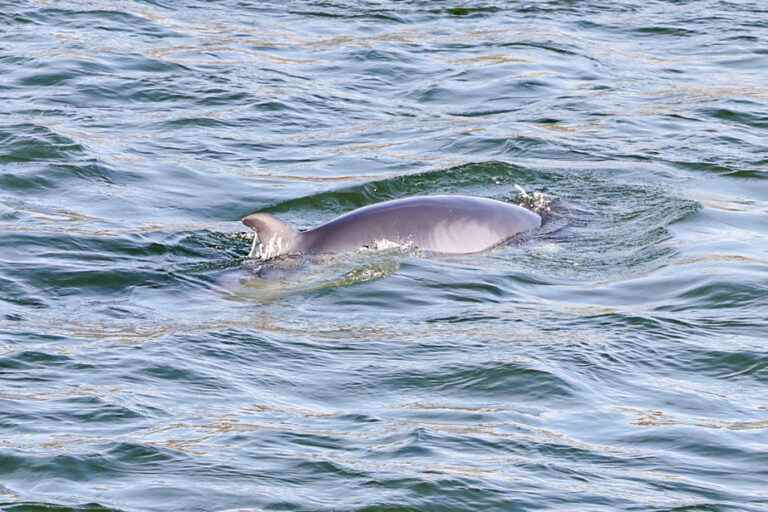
<point x="273" y="236"/>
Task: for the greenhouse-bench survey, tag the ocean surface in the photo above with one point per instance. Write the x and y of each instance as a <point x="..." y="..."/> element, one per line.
<point x="615" y="360"/>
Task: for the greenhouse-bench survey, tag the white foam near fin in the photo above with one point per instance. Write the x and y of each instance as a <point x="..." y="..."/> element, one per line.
<point x="267" y="250"/>
<point x="385" y="244"/>
<point x="254" y="253"/>
<point x="536" y="201"/>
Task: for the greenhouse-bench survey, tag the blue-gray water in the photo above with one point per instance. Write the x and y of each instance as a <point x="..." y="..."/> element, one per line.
<point x="617" y="360"/>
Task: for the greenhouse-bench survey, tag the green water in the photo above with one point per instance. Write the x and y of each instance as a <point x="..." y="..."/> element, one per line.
<point x="615" y="360"/>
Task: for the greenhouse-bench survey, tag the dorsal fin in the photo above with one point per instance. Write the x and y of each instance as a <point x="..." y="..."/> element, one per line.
<point x="276" y="237"/>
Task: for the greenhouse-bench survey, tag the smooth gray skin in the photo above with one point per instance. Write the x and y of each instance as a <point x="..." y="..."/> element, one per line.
<point x="449" y="224"/>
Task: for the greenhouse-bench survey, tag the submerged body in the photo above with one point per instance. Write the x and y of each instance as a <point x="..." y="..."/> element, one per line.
<point x="450" y="224"/>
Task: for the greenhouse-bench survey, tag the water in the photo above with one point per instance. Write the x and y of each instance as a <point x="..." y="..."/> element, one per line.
<point x="616" y="360"/>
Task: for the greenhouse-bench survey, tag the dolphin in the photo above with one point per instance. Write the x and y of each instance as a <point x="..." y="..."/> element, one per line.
<point x="448" y="224"/>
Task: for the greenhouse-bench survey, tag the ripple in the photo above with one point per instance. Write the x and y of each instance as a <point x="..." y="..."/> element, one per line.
<point x="107" y="20"/>
<point x="491" y="378"/>
<point x="52" y="507"/>
<point x="29" y="142"/>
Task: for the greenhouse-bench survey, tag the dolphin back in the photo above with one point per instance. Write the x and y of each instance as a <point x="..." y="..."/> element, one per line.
<point x="450" y="224"/>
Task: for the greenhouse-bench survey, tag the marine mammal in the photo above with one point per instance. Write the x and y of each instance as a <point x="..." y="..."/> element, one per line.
<point x="449" y="224"/>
